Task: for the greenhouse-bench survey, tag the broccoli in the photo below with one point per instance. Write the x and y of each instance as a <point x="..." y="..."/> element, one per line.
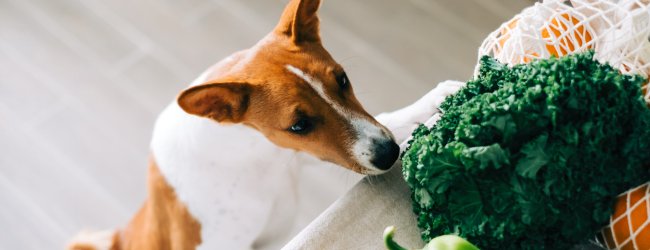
<point x="530" y="156"/>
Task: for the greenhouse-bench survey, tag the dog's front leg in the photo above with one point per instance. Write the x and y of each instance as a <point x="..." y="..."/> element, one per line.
<point x="402" y="122"/>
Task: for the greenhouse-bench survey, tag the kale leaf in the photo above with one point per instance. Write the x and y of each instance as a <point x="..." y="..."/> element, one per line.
<point x="530" y="156"/>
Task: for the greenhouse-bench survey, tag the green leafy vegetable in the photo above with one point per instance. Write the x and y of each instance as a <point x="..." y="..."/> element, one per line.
<point x="530" y="157"/>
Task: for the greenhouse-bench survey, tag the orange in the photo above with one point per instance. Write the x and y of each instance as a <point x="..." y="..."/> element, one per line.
<point x="561" y="30"/>
<point x="630" y="222"/>
<point x="504" y="35"/>
<point x="505" y="32"/>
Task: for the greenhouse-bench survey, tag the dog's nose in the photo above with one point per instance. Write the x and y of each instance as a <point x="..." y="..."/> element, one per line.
<point x="385" y="154"/>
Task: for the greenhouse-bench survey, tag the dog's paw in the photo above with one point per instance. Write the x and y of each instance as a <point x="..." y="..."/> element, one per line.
<point x="431" y="101"/>
<point x="402" y="122"/>
<point x="88" y="240"/>
<point x="428" y="105"/>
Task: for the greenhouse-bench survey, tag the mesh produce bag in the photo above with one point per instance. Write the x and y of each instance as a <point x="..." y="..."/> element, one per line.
<point x="618" y="31"/>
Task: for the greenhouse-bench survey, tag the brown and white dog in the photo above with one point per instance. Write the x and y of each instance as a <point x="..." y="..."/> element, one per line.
<point x="221" y="151"/>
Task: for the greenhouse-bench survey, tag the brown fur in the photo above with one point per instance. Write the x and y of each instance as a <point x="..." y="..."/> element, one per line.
<point x="163" y="222"/>
<point x="83" y="246"/>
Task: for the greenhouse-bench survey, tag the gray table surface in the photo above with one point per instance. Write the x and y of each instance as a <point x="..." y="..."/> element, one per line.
<point x="358" y="219"/>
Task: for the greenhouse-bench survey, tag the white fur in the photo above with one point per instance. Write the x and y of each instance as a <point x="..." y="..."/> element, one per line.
<point x="366" y="131"/>
<point x="361" y="149"/>
<point x="318" y="86"/>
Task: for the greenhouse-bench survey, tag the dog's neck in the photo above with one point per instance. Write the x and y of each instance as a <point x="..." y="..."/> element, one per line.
<point x="209" y="165"/>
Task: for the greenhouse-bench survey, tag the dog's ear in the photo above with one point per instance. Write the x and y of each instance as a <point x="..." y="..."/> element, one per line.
<point x="223" y="102"/>
<point x="299" y="21"/>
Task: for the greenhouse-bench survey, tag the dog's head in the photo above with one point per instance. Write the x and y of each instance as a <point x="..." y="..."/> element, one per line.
<point x="289" y="88"/>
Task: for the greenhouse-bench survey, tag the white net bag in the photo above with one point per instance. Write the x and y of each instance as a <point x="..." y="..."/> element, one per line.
<point x="617" y="30"/>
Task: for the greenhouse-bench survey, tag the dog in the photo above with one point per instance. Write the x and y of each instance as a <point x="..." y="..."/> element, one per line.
<point x="220" y="152"/>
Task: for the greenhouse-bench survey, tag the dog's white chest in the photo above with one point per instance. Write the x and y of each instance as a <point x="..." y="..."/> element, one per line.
<point x="230" y="177"/>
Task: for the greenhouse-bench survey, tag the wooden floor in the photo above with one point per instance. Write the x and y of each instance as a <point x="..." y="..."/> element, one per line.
<point x="81" y="82"/>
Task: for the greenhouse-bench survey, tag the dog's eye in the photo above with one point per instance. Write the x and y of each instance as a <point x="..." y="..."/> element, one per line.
<point x="343" y="81"/>
<point x="302" y="126"/>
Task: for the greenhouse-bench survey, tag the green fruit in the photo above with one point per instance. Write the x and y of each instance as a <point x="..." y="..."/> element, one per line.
<point x="444" y="242"/>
